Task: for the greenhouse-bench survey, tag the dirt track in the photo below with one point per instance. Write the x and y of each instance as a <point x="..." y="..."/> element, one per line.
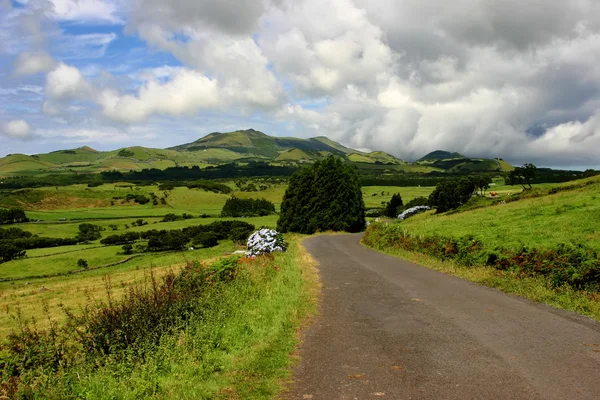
<point x="391" y="329"/>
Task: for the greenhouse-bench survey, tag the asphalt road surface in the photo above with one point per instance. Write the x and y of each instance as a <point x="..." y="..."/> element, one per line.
<point x="388" y="328"/>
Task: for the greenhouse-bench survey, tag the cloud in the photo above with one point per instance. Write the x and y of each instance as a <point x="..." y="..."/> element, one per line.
<point x="407" y="76"/>
<point x="16" y="129"/>
<point x="66" y="82"/>
<point x="228" y="16"/>
<point x="29" y="63"/>
<point x="184" y="94"/>
<point x="105" y="11"/>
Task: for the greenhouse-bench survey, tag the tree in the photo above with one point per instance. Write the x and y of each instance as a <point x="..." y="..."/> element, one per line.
<point x="89" y="232"/>
<point x="323" y="196"/>
<point x="81" y="263"/>
<point x="524" y="175"/>
<point x="482" y="183"/>
<point x="240" y="235"/>
<point x="8" y="251"/>
<point x="206" y="239"/>
<point x="451" y="194"/>
<point x="127" y="249"/>
<point x="391" y="207"/>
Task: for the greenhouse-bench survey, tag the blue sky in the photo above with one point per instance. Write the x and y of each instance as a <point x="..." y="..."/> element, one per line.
<point x="516" y="80"/>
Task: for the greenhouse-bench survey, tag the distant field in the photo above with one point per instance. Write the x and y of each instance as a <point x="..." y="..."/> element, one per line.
<point x="79" y="204"/>
<point x="374" y="198"/>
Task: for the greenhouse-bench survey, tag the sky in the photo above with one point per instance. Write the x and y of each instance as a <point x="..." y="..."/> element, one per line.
<point x="515" y="79"/>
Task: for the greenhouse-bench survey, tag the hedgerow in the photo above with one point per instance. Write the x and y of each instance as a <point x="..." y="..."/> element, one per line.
<point x="575" y="265"/>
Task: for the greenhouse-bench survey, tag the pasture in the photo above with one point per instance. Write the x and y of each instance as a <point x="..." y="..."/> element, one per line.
<point x="78" y="204"/>
<point x="571" y="216"/>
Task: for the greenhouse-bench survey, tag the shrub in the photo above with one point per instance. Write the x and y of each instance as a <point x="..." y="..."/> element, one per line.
<point x="81" y="263"/>
<point x="170" y="218"/>
<point x="235" y="207"/>
<point x="321" y="197"/>
<point x="127" y="249"/>
<point x="575" y="265"/>
<point x="240" y="235"/>
<point x="12" y="216"/>
<point x="392" y="206"/>
<point x="417" y="201"/>
<point x="125" y="153"/>
<point x="451" y="194"/>
<point x="206" y="240"/>
<point x="265" y="241"/>
<point x="89" y="232"/>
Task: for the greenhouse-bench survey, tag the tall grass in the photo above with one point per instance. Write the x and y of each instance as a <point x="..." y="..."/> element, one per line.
<point x="219" y="331"/>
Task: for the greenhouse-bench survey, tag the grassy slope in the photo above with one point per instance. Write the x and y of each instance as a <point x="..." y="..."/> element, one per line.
<point x="570" y="216"/>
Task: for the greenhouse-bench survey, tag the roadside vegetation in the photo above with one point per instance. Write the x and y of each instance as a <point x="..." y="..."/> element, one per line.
<point x="542" y="244"/>
<point x="217" y="330"/>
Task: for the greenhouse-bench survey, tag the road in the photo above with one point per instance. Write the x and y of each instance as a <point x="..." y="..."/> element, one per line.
<point x="391" y="329"/>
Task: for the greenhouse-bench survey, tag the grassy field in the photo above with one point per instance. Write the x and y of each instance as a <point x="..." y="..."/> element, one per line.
<point x="565" y="217"/>
<point x="547" y="216"/>
<point x="239" y="347"/>
<point x="375" y="199"/>
<point x="72" y="203"/>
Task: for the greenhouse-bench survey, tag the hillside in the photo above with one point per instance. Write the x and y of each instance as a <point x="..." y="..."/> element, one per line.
<point x="243" y="146"/>
<point x="441" y="155"/>
<point x="568" y="216"/>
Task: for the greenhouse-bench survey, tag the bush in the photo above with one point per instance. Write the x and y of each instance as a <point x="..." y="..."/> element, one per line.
<point x="265" y="241"/>
<point x="125" y="238"/>
<point x="81" y="263"/>
<point x="321" y="197"/>
<point x="127" y="249"/>
<point x="170" y="218"/>
<point x="235" y="207"/>
<point x="240" y="235"/>
<point x="452" y="194"/>
<point x="417" y="201"/>
<point x="575" y="265"/>
<point x="12" y="216"/>
<point x="392" y="206"/>
<point x="89" y="232"/>
<point x="206" y="240"/>
<point x="125" y="153"/>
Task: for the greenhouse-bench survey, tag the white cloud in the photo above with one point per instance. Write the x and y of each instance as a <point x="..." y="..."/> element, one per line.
<point x="185" y="93"/>
<point x="406" y="76"/>
<point x="16" y="129"/>
<point x="28" y="63"/>
<point x="66" y="82"/>
<point x="87" y="10"/>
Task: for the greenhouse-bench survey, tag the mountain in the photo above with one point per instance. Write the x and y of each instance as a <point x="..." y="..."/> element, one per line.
<point x="253" y="143"/>
<point x="441" y="155"/>
<point x="241" y="146"/>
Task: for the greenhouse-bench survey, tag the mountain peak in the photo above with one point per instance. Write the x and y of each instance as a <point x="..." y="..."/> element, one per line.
<point x="441" y="155"/>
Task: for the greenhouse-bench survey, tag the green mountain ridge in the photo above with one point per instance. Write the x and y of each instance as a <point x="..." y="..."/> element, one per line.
<point x="219" y="148"/>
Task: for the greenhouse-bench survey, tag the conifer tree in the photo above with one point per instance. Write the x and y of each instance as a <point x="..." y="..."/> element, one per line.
<point x="324" y="196"/>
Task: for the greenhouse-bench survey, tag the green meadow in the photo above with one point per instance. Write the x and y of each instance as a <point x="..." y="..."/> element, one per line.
<point x="78" y="204"/>
<point x="569" y="216"/>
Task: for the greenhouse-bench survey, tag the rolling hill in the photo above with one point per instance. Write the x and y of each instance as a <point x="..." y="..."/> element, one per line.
<point x="241" y="146"/>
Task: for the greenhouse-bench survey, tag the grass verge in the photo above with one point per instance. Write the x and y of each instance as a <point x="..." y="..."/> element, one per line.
<point x="237" y="342"/>
<point x="537" y="289"/>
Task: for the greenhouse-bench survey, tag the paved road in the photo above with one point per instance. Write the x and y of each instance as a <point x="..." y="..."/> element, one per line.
<point x="391" y="329"/>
